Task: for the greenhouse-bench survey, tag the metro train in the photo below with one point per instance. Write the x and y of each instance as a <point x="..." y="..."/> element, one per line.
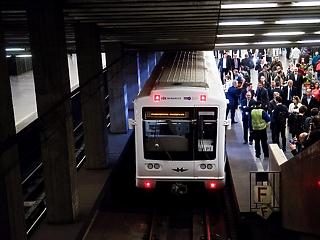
<point x="179" y="121"/>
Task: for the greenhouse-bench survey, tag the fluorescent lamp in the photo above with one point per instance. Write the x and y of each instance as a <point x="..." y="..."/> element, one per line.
<point x="306" y="4"/>
<point x="238" y="23"/>
<point x="8" y="56"/>
<point x="276" y="42"/>
<point x="24" y="55"/>
<point x="252" y="5"/>
<point x="297" y="21"/>
<point x="15" y="49"/>
<point x="317" y="32"/>
<point x="309" y="41"/>
<point x="282" y="33"/>
<point x="230" y="44"/>
<point x="236" y="35"/>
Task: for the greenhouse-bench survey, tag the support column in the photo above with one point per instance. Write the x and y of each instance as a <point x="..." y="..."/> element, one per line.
<point x="144" y="67"/>
<point x="131" y="77"/>
<point x="151" y="62"/>
<point x="12" y="224"/>
<point x="92" y="94"/>
<point x="52" y="84"/>
<point x="117" y="89"/>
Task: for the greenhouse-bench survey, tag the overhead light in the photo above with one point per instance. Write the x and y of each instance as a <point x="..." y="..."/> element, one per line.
<point x="230" y="44"/>
<point x="309" y="41"/>
<point x="297" y="21"/>
<point x="15" y="49"/>
<point x="238" y="23"/>
<point x="306" y="4"/>
<point x="8" y="56"/>
<point x="275" y="42"/>
<point x="250" y="5"/>
<point x="236" y="35"/>
<point x="318" y="32"/>
<point x="24" y="55"/>
<point x="282" y="33"/>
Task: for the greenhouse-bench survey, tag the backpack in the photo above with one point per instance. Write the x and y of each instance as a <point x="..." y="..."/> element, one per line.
<point x="282" y="119"/>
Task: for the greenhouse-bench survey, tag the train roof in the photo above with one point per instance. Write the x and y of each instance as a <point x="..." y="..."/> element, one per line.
<point x="183" y="69"/>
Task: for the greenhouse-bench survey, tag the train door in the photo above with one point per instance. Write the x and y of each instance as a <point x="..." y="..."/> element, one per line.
<point x="205" y="142"/>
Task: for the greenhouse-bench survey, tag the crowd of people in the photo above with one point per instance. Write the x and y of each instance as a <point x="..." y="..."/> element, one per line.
<point x="284" y="98"/>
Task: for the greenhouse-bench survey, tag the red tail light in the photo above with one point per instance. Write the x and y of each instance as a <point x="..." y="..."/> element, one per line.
<point x="203" y="98"/>
<point x="148" y="184"/>
<point x="156" y="98"/>
<point x="318" y="183"/>
<point x="212" y="185"/>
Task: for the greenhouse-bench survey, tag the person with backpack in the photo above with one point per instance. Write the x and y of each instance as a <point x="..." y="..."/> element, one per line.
<point x="279" y="120"/>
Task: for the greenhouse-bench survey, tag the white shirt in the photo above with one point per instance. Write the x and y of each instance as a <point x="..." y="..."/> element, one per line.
<point x="224" y="63"/>
<point x="292" y="109"/>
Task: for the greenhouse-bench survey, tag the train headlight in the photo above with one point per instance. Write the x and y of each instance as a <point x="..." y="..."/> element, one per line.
<point x="202" y="166"/>
<point x="209" y="166"/>
<point x="156" y="165"/>
<point x="149" y="165"/>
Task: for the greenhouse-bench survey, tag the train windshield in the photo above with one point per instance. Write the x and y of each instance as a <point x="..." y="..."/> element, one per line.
<point x="184" y="134"/>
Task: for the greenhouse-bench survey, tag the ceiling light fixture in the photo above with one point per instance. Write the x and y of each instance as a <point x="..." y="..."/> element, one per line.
<point x="297" y="21"/>
<point x="250" y="5"/>
<point x="275" y="42"/>
<point x="309" y="41"/>
<point x="306" y="4"/>
<point x="238" y="23"/>
<point x="318" y="32"/>
<point x="15" y="49"/>
<point x="236" y="35"/>
<point x="24" y="55"/>
<point x="230" y="44"/>
<point x="282" y="33"/>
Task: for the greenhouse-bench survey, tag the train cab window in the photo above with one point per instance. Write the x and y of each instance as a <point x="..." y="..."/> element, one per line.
<point x="167" y="135"/>
<point x="206" y="135"/>
<point x="167" y="140"/>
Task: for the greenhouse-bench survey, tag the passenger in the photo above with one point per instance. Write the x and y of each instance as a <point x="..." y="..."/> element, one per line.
<point x="288" y="92"/>
<point x="295" y="54"/>
<point x="262" y="95"/>
<point x="224" y="66"/>
<point x="233" y="96"/>
<point x="297" y="80"/>
<point x="279" y="120"/>
<point x="309" y="101"/>
<point x="298" y="122"/>
<point x="272" y="105"/>
<point x="246" y="107"/>
<point x="297" y="144"/>
<point x="308" y="120"/>
<point x="259" y="121"/>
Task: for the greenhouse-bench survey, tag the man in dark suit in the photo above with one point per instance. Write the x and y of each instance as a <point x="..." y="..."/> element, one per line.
<point x="297" y="80"/>
<point x="246" y="107"/>
<point x="235" y="62"/>
<point x="224" y="66"/>
<point x="309" y="101"/>
<point x="262" y="96"/>
<point x="288" y="92"/>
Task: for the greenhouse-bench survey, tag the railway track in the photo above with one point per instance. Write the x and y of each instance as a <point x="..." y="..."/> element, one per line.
<point x="193" y="224"/>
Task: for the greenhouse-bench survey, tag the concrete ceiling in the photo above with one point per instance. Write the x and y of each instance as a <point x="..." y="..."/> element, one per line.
<point x="176" y="24"/>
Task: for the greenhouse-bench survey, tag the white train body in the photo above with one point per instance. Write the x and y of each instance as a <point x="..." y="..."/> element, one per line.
<point x="180" y="123"/>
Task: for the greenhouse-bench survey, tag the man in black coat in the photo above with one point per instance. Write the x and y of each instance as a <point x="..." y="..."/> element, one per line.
<point x="235" y="62"/>
<point x="297" y="80"/>
<point x="262" y="96"/>
<point x="224" y="66"/>
<point x="309" y="101"/>
<point x="288" y="92"/>
<point x="246" y="107"/>
<point x="278" y="120"/>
